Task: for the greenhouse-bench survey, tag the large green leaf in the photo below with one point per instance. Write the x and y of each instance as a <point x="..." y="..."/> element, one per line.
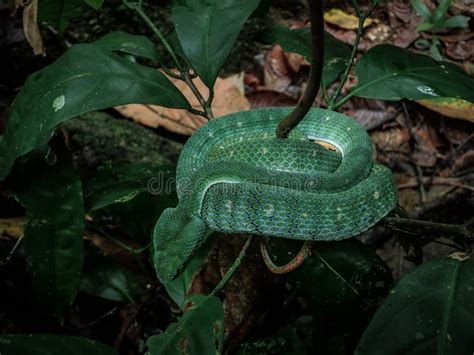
<point x="51" y="344"/>
<point x="121" y="184"/>
<point x="430" y="311"/>
<point x="199" y="331"/>
<point x="84" y="79"/>
<point x="336" y="53"/>
<point x="136" y="45"/>
<point x="53" y="235"/>
<point x="208" y="29"/>
<point x="388" y="72"/>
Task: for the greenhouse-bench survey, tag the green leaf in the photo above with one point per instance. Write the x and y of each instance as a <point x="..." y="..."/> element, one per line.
<point x="388" y="72"/>
<point x="104" y="278"/>
<point x="122" y="184"/>
<point x="199" y="331"/>
<point x="336" y="53"/>
<point x="421" y="9"/>
<point x="96" y="4"/>
<point x="208" y="29"/>
<point x="454" y="22"/>
<point x="425" y="26"/>
<point x="51" y="344"/>
<point x="58" y="13"/>
<point x="84" y="79"/>
<point x="53" y="235"/>
<point x="440" y="11"/>
<point x="430" y="311"/>
<point x="179" y="287"/>
<point x="136" y="45"/>
<point x="173" y="40"/>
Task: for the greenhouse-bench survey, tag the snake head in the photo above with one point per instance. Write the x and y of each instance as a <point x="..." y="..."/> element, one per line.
<point x="176" y="237"/>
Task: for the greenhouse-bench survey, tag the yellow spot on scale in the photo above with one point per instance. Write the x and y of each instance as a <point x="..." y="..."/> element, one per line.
<point x="376" y="195"/>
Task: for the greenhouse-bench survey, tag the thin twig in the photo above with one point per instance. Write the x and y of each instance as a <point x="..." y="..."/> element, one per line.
<point x="233" y="268"/>
<point x="8" y="258"/>
<point x="184" y="72"/>
<point x="315" y="74"/>
<point x="359" y="33"/>
<point x="415" y="226"/>
<point x="139" y="10"/>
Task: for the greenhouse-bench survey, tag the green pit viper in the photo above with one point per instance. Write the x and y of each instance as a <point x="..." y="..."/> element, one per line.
<point x="234" y="175"/>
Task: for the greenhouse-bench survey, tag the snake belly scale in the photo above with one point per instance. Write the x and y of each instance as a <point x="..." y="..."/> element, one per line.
<point x="233" y="175"/>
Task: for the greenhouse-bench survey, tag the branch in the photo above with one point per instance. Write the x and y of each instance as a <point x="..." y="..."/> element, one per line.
<point x="415" y="226"/>
<point x="317" y="61"/>
<point x="184" y="74"/>
<point x="206" y="105"/>
<point x="138" y="8"/>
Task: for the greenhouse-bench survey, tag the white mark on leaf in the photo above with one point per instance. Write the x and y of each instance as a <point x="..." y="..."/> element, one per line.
<point x="58" y="103"/>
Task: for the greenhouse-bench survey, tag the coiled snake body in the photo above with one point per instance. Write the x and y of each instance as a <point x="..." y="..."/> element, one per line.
<point x="233" y="175"/>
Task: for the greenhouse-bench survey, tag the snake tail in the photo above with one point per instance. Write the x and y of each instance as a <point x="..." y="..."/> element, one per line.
<point x="304" y="252"/>
<point x="176" y="236"/>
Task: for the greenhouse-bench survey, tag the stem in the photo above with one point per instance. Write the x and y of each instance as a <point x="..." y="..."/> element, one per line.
<point x="415" y="226"/>
<point x="206" y="105"/>
<point x="138" y="8"/>
<point x="359" y="33"/>
<point x="234" y="267"/>
<point x="317" y="61"/>
<point x="185" y="75"/>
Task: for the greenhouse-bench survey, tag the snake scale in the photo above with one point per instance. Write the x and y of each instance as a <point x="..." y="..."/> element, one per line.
<point x="233" y="175"/>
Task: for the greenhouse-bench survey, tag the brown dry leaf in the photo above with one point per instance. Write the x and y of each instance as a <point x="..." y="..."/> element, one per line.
<point x="277" y="71"/>
<point x="12" y="227"/>
<point x="454" y="108"/>
<point x="229" y="98"/>
<point x="401" y="9"/>
<point x="269" y="98"/>
<point x="30" y="26"/>
<point x="464" y="162"/>
<point x="344" y="20"/>
<point x="405" y="36"/>
<point x="462" y="50"/>
<point x="371" y="114"/>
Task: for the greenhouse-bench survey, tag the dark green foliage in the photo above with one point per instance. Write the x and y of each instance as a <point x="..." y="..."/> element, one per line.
<point x="430" y="311"/>
<point x="199" y="331"/>
<point x="49" y="344"/>
<point x="53" y="234"/>
<point x="388" y="72"/>
<point x="84" y="79"/>
<point x="207" y="31"/>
